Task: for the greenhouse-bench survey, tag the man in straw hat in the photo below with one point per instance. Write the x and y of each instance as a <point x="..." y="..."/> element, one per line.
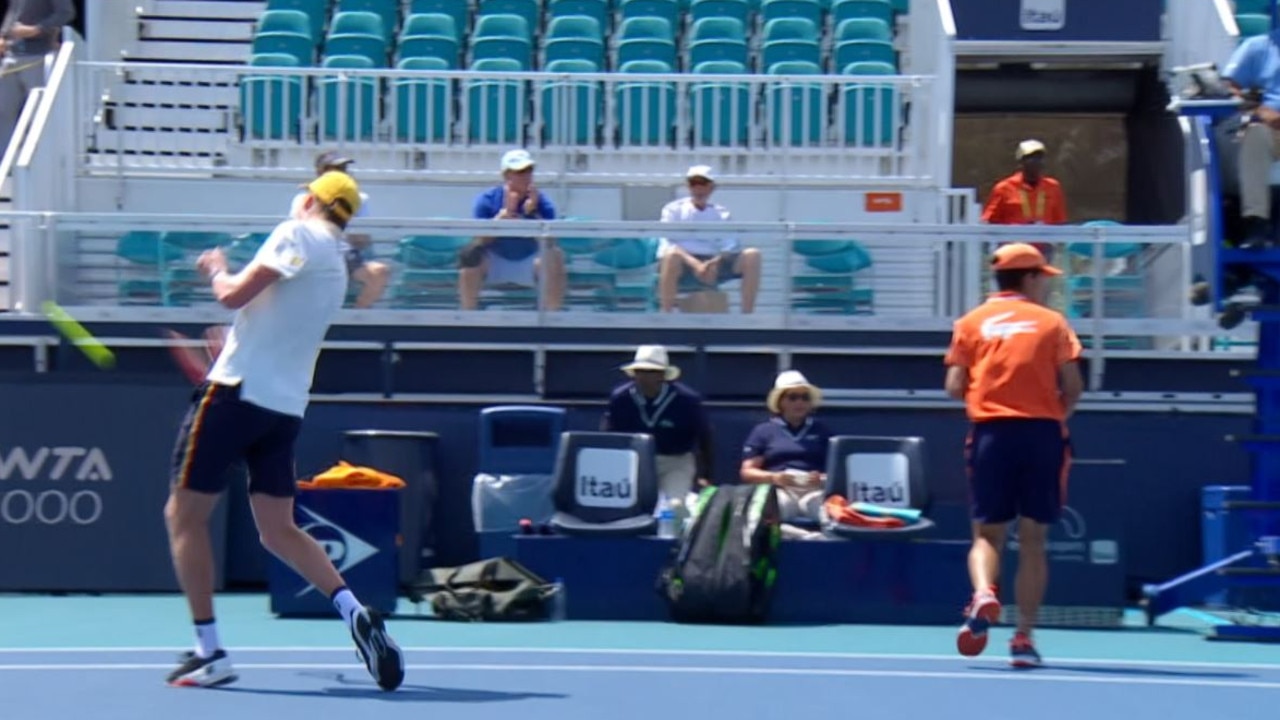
<point x="655" y="404"/>
<point x="1015" y="364"/>
<point x="250" y="410"/>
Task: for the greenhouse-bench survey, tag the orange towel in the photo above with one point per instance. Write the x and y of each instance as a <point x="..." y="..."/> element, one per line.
<point x="839" y="511"/>
<point x="344" y="475"/>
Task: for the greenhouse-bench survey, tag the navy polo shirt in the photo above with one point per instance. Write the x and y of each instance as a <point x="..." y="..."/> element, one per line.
<point x="675" y="418"/>
<point x="489" y="203"/>
<point x="789" y="448"/>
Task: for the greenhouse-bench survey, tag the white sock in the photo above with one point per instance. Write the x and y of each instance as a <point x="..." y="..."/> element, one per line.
<point x="346" y="604"/>
<point x="207" y="638"/>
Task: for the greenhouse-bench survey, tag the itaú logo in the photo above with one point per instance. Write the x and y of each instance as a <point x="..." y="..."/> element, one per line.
<point x="54" y="463"/>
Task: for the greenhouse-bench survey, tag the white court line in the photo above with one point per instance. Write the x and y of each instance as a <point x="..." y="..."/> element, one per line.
<point x="660" y="669"/>
<point x="1111" y="662"/>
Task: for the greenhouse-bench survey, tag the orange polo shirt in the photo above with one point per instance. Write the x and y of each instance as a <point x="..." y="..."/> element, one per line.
<point x="1014" y="202"/>
<point x="1013" y="349"/>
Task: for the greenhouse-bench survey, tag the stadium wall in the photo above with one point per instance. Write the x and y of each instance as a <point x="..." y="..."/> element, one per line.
<point x="82" y="475"/>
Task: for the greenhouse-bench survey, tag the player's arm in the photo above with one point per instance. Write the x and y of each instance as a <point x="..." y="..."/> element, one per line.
<point x="1070" y="379"/>
<point x="235" y="291"/>
<point x="958" y="360"/>
<point x="957" y="381"/>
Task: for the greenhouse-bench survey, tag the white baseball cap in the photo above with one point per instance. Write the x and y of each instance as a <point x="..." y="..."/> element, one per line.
<point x="1028" y="147"/>
<point x="517" y="160"/>
<point x="700" y="171"/>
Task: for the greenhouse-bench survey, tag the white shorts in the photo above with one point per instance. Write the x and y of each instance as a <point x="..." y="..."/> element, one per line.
<point x="511" y="272"/>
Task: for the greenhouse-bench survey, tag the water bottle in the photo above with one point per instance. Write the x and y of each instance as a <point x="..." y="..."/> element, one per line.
<point x="559" y="601"/>
<point x="666" y="522"/>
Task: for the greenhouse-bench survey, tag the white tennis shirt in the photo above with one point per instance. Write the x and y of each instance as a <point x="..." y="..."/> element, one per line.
<point x="274" y="341"/>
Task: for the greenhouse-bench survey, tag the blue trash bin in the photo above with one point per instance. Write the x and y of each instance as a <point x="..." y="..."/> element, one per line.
<point x="359" y="530"/>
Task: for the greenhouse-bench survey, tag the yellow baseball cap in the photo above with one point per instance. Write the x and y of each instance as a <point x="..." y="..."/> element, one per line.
<point x="338" y="191"/>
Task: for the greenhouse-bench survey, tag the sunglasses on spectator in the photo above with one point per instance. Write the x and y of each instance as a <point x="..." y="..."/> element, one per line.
<point x="803" y="397"/>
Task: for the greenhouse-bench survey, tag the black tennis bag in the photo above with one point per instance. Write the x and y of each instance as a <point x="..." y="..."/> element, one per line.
<point x="495" y="590"/>
<point x="725" y="566"/>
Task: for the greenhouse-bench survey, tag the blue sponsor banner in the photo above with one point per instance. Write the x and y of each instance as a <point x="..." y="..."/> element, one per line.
<point x="84" y="476"/>
<point x="1058" y="20"/>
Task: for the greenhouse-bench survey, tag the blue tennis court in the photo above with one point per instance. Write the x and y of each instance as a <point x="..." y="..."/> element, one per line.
<point x="107" y="657"/>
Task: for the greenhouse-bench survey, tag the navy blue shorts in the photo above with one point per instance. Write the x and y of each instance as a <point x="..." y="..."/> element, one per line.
<point x="220" y="430"/>
<point x="1017" y="468"/>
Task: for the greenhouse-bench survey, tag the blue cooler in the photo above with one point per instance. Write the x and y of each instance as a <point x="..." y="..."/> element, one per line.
<point x="359" y="529"/>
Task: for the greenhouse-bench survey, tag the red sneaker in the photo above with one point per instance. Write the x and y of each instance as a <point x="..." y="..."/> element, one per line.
<point x="983" y="611"/>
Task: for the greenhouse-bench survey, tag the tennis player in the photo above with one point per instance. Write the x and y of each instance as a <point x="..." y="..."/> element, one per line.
<point x="1014" y="362"/>
<point x="250" y="409"/>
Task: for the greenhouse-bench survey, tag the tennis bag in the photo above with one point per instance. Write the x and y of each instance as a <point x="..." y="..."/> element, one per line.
<point x="726" y="564"/>
<point x="496" y="590"/>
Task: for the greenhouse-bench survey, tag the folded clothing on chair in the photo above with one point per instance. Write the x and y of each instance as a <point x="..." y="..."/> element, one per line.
<point x="840" y="511"/>
<point x="345" y="476"/>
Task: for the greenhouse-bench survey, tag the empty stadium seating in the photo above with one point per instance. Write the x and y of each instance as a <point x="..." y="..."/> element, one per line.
<point x="629" y="37"/>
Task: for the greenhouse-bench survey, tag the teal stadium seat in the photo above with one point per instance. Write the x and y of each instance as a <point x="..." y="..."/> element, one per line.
<point x="668" y="10"/>
<point x="646" y="38"/>
<point x="797" y="9"/>
<point x="571" y="110"/>
<point x="502" y="37"/>
<point x="635" y="266"/>
<point x="864" y="29"/>
<point x="358" y="33"/>
<point x="497" y="107"/>
<point x="574" y="38"/>
<point x="722" y="38"/>
<point x="145" y="256"/>
<point x="646" y="108"/>
<point x="870" y="110"/>
<point x="529" y="10"/>
<point x="854" y="51"/>
<point x="285" y="43"/>
<point x="287" y="21"/>
<point x="739" y="10"/>
<point x="429" y="274"/>
<point x="430" y="35"/>
<point x="842" y="10"/>
<point x="357" y="96"/>
<point x="598" y="10"/>
<point x="387" y="10"/>
<point x="1251" y="25"/>
<point x="1254" y="7"/>
<point x="317" y="12"/>
<point x="271" y="105"/>
<point x="1123" y="284"/>
<point x="797" y="110"/>
<point x="790" y="40"/>
<point x="721" y="110"/>
<point x="422" y="105"/>
<point x="456" y="9"/>
<point x="832" y="278"/>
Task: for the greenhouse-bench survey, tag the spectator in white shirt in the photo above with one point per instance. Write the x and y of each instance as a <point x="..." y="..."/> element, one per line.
<point x="710" y="260"/>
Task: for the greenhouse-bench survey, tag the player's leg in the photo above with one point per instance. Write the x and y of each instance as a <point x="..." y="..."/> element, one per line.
<point x="210" y="439"/>
<point x="1039" y="505"/>
<point x="272" y="489"/>
<point x="990" y="467"/>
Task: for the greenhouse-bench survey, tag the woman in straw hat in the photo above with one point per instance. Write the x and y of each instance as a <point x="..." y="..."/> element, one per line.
<point x="655" y="404"/>
<point x="789" y="450"/>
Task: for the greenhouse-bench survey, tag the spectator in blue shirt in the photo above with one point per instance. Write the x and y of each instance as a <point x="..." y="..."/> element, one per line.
<point x="1254" y="73"/>
<point x="655" y="404"/>
<point x="789" y="450"/>
<point x="512" y="261"/>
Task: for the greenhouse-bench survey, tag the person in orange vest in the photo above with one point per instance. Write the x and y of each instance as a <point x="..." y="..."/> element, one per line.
<point x="1029" y="196"/>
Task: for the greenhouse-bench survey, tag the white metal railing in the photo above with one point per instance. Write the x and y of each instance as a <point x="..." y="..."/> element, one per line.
<point x="1203" y="31"/>
<point x="42" y="176"/>
<point x="83" y="270"/>
<point x="933" y="55"/>
<point x="610" y="126"/>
